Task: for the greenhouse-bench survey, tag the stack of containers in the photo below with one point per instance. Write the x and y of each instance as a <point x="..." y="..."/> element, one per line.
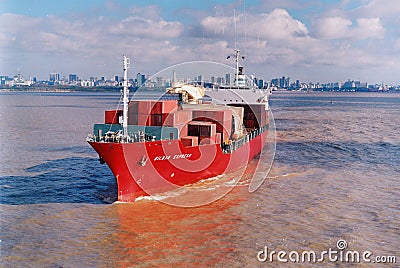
<point x="150" y="113"/>
<point x="205" y="131"/>
<point x="179" y="120"/>
<point x="221" y="118"/>
<point x="160" y="111"/>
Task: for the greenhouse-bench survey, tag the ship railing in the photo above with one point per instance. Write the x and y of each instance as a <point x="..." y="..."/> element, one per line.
<point x="117" y="137"/>
<point x="234" y="145"/>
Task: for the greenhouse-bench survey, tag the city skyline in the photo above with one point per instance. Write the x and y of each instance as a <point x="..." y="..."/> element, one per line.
<point x="56" y="80"/>
<point x="313" y="40"/>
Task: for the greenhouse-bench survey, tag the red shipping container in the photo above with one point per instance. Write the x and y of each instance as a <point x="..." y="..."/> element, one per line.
<point x="156" y="120"/>
<point x="221" y="127"/>
<point x="216" y="115"/>
<point x="182" y="130"/>
<point x="190" y="140"/>
<point x="218" y="138"/>
<point x="145" y="106"/>
<point x="163" y="107"/>
<point x="144" y="120"/>
<point x="199" y="128"/>
<point x="207" y="140"/>
<point x="112" y="116"/>
<point x="132" y="118"/>
<point x="175" y="118"/>
<point x="133" y="107"/>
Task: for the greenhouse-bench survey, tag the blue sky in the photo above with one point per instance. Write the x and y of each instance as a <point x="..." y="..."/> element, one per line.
<point x="310" y="40"/>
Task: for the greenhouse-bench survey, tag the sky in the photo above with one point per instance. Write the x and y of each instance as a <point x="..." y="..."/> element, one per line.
<point x="310" y="40"/>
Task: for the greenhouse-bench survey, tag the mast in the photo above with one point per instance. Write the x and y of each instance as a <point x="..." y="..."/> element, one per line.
<point x="126" y="65"/>
<point x="237" y="51"/>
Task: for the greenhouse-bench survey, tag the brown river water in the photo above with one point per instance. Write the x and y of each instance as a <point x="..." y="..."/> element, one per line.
<point x="335" y="177"/>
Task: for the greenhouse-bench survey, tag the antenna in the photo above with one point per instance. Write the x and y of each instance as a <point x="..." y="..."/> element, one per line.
<point x="126" y="65"/>
<point x="234" y="20"/>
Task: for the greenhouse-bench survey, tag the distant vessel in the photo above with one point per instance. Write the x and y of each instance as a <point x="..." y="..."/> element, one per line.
<point x="153" y="146"/>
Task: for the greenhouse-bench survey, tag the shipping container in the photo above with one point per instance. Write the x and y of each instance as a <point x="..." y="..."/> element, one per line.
<point x="218" y="138"/>
<point x="182" y="130"/>
<point x="133" y="107"/>
<point x="190" y="140"/>
<point x="176" y="118"/>
<point x="145" y="106"/>
<point x="143" y="120"/>
<point x="199" y="128"/>
<point x="206" y="140"/>
<point x="156" y="119"/>
<point x="221" y="127"/>
<point x="112" y="116"/>
<point x="165" y="106"/>
<point x="133" y="119"/>
<point x="216" y="115"/>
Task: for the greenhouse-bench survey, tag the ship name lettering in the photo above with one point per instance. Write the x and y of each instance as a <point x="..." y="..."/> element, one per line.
<point x="167" y="157"/>
<point x="163" y="157"/>
<point x="184" y="156"/>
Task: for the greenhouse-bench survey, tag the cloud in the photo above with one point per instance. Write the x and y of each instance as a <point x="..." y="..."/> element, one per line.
<point x="277" y="25"/>
<point x="86" y="39"/>
<point x="340" y="28"/>
<point x="383" y="8"/>
<point x="274" y="40"/>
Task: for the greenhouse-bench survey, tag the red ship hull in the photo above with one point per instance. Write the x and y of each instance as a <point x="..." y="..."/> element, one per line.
<point x="152" y="167"/>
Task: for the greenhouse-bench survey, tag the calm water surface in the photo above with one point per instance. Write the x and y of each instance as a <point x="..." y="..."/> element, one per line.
<point x="335" y="176"/>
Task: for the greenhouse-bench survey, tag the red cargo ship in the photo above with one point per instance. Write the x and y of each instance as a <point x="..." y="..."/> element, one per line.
<point x="153" y="146"/>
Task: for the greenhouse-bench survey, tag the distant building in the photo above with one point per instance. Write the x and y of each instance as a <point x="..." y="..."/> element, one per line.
<point x="87" y="83"/>
<point x="3" y="79"/>
<point x="160" y="81"/>
<point x="72" y="78"/>
<point x="261" y="83"/>
<point x="140" y="79"/>
<point x="348" y="84"/>
<point x="54" y="77"/>
<point x="275" y="82"/>
<point x="228" y="79"/>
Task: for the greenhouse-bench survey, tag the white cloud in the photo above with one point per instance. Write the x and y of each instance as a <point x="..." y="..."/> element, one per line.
<point x="275" y="25"/>
<point x="273" y="40"/>
<point x="383" y="8"/>
<point x="339" y="28"/>
<point x="369" y="28"/>
<point x="142" y="27"/>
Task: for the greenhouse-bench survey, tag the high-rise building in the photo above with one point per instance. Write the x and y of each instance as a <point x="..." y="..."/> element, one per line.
<point x="160" y="81"/>
<point x="72" y="78"/>
<point x="261" y="83"/>
<point x="228" y="79"/>
<point x="275" y="82"/>
<point x="140" y="79"/>
<point x="54" y="77"/>
<point x="282" y="82"/>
